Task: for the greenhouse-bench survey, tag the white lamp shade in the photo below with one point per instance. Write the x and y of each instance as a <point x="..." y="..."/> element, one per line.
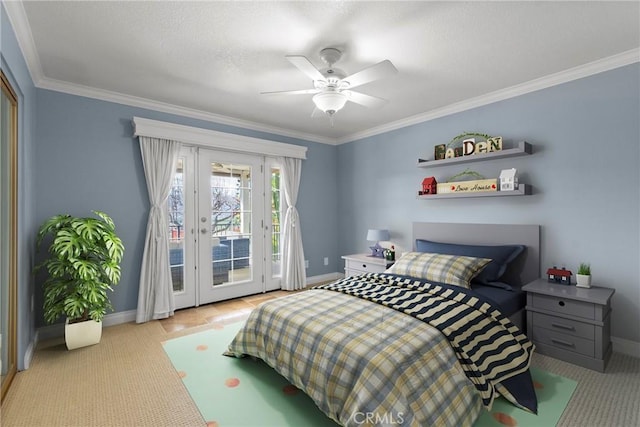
<point x="330" y="102"/>
<point x="377" y="235"/>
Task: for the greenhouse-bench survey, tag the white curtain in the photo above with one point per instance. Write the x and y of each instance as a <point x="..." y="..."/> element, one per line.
<point x="293" y="272"/>
<point x="155" y="294"/>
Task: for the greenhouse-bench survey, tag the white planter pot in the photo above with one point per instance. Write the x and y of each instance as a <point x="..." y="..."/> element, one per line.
<point x="583" y="280"/>
<point x="82" y="334"/>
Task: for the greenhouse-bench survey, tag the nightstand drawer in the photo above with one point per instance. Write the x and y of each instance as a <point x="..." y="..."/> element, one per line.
<point x="363" y="266"/>
<point x="564" y="341"/>
<point x="565" y="326"/>
<point x="564" y="306"/>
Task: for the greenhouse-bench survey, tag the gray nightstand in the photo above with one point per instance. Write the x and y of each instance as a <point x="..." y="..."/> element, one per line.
<point x="362" y="263"/>
<point x="570" y="323"/>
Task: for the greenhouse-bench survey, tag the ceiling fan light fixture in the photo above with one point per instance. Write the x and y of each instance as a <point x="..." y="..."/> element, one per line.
<point x="330" y="102"/>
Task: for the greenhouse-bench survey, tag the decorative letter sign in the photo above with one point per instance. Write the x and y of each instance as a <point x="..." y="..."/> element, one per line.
<point x="469" y="148"/>
<point x="439" y="151"/>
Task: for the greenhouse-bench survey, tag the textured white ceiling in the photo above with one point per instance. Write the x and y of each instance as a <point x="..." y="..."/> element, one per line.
<point x="212" y="59"/>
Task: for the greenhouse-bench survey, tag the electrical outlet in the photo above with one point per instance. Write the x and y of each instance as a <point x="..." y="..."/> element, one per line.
<point x="326" y="260"/>
<point x="306" y="263"/>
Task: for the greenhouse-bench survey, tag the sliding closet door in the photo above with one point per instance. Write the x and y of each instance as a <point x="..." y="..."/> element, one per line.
<point x="8" y="232"/>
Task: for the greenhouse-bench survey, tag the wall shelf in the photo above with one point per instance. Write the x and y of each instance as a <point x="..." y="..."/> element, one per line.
<point x="523" y="190"/>
<point x="523" y="149"/>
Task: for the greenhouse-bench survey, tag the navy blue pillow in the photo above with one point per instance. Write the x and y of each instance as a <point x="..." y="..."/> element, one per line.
<point x="500" y="256"/>
<point x="500" y="285"/>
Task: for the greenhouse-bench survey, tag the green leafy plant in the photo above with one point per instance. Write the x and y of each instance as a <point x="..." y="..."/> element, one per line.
<point x="83" y="264"/>
<point x="466" y="172"/>
<point x="584" y="269"/>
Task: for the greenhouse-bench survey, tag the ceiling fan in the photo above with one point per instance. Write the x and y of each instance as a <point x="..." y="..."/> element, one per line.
<point x="333" y="87"/>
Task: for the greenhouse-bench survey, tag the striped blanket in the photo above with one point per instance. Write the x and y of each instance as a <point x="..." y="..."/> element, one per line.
<point x="488" y="346"/>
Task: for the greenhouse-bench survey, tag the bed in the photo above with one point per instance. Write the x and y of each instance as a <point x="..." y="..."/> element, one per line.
<point x="400" y="347"/>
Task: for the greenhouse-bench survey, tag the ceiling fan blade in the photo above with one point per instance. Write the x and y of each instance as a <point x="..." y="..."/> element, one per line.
<point x="375" y="72"/>
<point x="305" y="66"/>
<point x="292" y="92"/>
<point x="366" y="100"/>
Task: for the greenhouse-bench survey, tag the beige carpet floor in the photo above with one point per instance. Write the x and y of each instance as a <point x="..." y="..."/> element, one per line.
<point x="127" y="380"/>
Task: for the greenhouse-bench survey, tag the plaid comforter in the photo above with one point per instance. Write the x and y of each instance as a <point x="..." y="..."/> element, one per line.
<point x="489" y="347"/>
<point x="362" y="363"/>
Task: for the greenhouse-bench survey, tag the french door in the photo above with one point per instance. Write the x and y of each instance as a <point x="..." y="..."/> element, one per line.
<point x="224" y="211"/>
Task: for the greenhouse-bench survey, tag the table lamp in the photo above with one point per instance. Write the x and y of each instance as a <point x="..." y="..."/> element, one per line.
<point x="377" y="236"/>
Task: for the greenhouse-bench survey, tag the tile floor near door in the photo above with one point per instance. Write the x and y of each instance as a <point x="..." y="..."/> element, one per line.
<point x="218" y="313"/>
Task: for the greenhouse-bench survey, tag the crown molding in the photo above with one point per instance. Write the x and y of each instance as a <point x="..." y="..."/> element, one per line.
<point x="134" y="101"/>
<point x="575" y="73"/>
<point x="17" y="17"/>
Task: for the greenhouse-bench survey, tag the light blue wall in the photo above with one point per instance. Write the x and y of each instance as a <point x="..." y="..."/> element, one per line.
<point x="80" y="155"/>
<point x="15" y="68"/>
<point x="584" y="173"/>
<point x="87" y="158"/>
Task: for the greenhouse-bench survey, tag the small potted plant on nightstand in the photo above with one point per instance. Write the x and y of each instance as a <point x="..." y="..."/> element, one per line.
<point x="583" y="278"/>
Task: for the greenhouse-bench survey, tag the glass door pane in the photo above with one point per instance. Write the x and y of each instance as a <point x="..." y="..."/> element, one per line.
<point x="176" y="205"/>
<point x="276" y="221"/>
<point x="231" y="222"/>
<point x="182" y="249"/>
<point x="275" y="205"/>
<point x="230" y="214"/>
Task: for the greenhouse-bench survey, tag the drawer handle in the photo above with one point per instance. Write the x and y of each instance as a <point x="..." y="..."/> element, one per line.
<point x="564" y="343"/>
<point x="561" y="303"/>
<point x="565" y="327"/>
<point x="364" y="265"/>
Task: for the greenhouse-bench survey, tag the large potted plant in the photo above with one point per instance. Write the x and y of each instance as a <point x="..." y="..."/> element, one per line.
<point x="82" y="266"/>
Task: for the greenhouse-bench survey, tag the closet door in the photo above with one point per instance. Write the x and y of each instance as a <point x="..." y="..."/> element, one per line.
<point x="8" y="233"/>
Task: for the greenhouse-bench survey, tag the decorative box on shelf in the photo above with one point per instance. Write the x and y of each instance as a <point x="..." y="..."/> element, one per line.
<point x="474" y="186"/>
<point x="559" y="275"/>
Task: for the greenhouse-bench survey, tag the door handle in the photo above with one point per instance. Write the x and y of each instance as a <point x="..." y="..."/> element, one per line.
<point x="203" y="231"/>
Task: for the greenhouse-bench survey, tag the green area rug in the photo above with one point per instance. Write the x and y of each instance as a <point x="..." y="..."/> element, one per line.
<point x="244" y="392"/>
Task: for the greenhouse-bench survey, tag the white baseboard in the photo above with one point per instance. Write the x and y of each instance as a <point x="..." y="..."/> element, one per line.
<point x="28" y="355"/>
<point x="49" y="332"/>
<point x="620" y="345"/>
<point x="119" y="318"/>
<point x="57" y="330"/>
<point x="313" y="280"/>
<point x="628" y="347"/>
